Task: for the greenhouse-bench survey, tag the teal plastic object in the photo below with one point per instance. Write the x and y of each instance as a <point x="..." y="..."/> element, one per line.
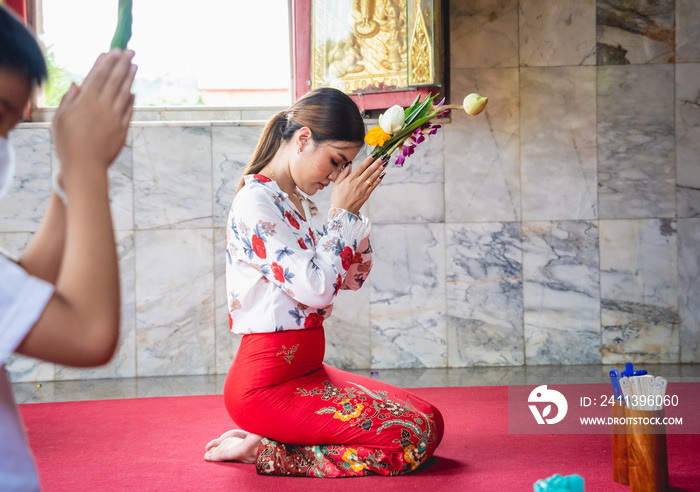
<point x="557" y="483"/>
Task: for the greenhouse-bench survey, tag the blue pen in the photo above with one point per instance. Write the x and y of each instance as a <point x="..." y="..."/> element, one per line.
<point x="615" y="379"/>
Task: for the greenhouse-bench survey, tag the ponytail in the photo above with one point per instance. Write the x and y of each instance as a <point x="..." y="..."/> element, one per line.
<point x="269" y="142"/>
<point x="330" y="114"/>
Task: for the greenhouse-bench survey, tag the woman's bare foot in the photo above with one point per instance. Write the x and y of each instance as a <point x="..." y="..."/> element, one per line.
<point x="232" y="433"/>
<point x="234" y="445"/>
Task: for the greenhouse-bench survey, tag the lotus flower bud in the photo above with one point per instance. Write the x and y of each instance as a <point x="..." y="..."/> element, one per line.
<point x="392" y="120"/>
<point x="474" y="104"/>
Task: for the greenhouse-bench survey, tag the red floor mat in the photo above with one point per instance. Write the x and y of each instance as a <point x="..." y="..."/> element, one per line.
<point x="155" y="444"/>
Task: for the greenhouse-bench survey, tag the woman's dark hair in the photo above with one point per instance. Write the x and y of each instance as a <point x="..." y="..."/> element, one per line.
<point x="19" y="49"/>
<point x="330" y="114"/>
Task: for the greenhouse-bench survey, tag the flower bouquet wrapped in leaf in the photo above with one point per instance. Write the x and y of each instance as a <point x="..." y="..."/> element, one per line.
<point x="122" y="34"/>
<point x="404" y="129"/>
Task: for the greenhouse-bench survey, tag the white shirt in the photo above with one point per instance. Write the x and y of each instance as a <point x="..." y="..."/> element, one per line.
<point x="22" y="300"/>
<point x="282" y="273"/>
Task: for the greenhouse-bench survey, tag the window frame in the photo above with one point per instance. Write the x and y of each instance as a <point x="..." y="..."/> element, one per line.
<point x="300" y="29"/>
<point x="42" y="114"/>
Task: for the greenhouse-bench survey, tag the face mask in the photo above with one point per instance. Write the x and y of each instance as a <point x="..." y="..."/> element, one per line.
<point x="7" y="165"/>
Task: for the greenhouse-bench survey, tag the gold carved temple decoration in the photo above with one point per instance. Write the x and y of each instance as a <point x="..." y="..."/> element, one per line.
<point x="373" y="45"/>
<point x="421" y="52"/>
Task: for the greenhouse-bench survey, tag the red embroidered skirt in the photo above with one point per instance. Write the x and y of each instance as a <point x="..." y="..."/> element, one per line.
<point x="320" y="421"/>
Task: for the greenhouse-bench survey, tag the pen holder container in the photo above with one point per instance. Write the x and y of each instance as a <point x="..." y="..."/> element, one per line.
<point x="647" y="458"/>
<point x="619" y="444"/>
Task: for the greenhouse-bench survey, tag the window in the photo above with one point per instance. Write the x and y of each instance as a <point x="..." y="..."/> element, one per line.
<point x="208" y="53"/>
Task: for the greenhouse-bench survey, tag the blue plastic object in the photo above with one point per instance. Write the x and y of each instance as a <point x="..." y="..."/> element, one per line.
<point x="557" y="483"/>
<point x="629" y="370"/>
<point x="615" y="379"/>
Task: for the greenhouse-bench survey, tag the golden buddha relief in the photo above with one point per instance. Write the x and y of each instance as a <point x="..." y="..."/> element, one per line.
<point x="363" y="46"/>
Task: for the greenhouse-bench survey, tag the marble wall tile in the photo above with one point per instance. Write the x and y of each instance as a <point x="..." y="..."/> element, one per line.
<point x="13" y="243"/>
<point x="483" y="33"/>
<point x="227" y="343"/>
<point x="558" y="143"/>
<point x="635" y="32"/>
<point x="561" y="294"/>
<point x="172" y="177"/>
<point x="232" y="149"/>
<point x="22" y="369"/>
<point x="557" y="33"/>
<point x="639" y="291"/>
<point x="121" y="187"/>
<point x="482" y="153"/>
<point x="260" y="114"/>
<point x="407" y="296"/>
<point x="24" y="206"/>
<point x="484" y="294"/>
<point x="414" y="192"/>
<point x="636" y="143"/>
<point x="689" y="288"/>
<point x="19" y="367"/>
<point x="175" y="306"/>
<point x="181" y="116"/>
<point x="348" y="330"/>
<point x="123" y="364"/>
<point x="687" y="31"/>
<point x="688" y="139"/>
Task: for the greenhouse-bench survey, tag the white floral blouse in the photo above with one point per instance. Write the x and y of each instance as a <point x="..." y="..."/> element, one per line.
<point x="281" y="273"/>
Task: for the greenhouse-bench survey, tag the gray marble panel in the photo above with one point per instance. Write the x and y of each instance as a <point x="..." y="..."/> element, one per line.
<point x="482" y="153"/>
<point x="561" y="293"/>
<point x="407" y="296"/>
<point x="688" y="139"/>
<point x="172" y="177"/>
<point x="635" y="32"/>
<point x="558" y="143"/>
<point x="13" y="243"/>
<point x="34" y="393"/>
<point x="121" y="188"/>
<point x="639" y="291"/>
<point x="483" y="33"/>
<point x="484" y="294"/>
<point x="227" y="343"/>
<point x="175" y="306"/>
<point x="689" y="288"/>
<point x="24" y="369"/>
<point x="348" y="330"/>
<point x="414" y="192"/>
<point x="232" y="149"/>
<point x="557" y="33"/>
<point x="687" y="31"/>
<point x="24" y="206"/>
<point x="121" y="185"/>
<point x="19" y="367"/>
<point x="636" y="143"/>
<point x="123" y="363"/>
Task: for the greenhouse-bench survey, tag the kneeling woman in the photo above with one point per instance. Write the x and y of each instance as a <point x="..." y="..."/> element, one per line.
<point x="298" y="416"/>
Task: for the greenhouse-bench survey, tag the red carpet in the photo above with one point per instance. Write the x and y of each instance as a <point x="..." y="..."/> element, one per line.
<point x="156" y="444"/>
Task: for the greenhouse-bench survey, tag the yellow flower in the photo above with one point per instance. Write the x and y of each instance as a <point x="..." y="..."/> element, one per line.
<point x="376" y="137"/>
<point x="349" y="411"/>
<point x="350" y="457"/>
